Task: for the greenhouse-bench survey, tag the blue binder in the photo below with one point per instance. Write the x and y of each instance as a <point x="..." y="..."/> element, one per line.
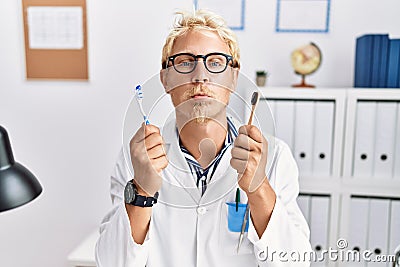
<point x="364" y="49"/>
<point x="393" y="69"/>
<point x="375" y="61"/>
<point x="382" y="77"/>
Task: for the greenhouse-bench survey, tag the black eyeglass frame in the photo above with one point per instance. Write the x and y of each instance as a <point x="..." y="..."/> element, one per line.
<point x="196" y="57"/>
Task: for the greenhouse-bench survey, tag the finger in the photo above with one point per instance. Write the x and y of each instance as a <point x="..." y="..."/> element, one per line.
<point x="242" y="141"/>
<point x="159" y="163"/>
<point x="245" y="142"/>
<point x="239" y="165"/>
<point x="144" y="131"/>
<point x="153" y="140"/>
<point x="156" y="152"/>
<point x="240" y="153"/>
<point x="149" y="129"/>
<point x="252" y="131"/>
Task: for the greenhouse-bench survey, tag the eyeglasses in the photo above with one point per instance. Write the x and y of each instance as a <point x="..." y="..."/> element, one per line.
<point x="186" y="63"/>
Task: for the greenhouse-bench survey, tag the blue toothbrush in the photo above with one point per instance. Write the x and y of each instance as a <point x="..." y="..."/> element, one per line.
<point x="139" y="99"/>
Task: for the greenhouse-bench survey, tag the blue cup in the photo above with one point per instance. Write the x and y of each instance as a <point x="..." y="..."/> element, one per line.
<point x="236" y="218"/>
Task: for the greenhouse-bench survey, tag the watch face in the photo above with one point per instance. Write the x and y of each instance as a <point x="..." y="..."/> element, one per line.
<point x="129" y="193"/>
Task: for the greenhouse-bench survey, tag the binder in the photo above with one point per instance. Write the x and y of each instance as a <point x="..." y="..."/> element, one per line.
<point x="376" y="59"/>
<point x="323" y="136"/>
<point x="364" y="49"/>
<point x="383" y="60"/>
<point x="358" y="230"/>
<point x="284" y="110"/>
<point x="364" y="139"/>
<point x="396" y="171"/>
<point x="393" y="72"/>
<point x="384" y="139"/>
<point x="304" y="204"/>
<point x="394" y="232"/>
<point x="378" y="231"/>
<point x="304" y="136"/>
<point x="359" y="62"/>
<point x="319" y="223"/>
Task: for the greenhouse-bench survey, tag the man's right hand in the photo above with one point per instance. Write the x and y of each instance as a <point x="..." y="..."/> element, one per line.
<point x="148" y="156"/>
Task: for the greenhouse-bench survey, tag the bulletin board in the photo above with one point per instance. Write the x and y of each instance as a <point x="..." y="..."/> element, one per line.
<point x="55" y="39"/>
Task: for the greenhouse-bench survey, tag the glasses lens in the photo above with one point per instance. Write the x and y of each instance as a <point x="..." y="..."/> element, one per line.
<point x="216" y="63"/>
<point x="184" y="63"/>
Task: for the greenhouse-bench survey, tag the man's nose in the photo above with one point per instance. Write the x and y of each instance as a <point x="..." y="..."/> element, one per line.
<point x="200" y="73"/>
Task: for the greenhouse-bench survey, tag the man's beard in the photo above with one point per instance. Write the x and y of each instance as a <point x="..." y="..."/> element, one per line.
<point x="200" y="112"/>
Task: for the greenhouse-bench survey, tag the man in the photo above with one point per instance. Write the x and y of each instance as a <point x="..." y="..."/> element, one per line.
<point x="189" y="178"/>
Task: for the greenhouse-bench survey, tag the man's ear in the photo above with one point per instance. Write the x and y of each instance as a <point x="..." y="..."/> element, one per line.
<point x="163" y="79"/>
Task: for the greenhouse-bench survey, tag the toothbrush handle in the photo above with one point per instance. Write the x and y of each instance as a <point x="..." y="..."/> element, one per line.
<point x="146" y="121"/>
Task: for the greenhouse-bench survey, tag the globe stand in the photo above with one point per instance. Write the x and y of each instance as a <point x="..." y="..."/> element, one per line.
<point x="303" y="83"/>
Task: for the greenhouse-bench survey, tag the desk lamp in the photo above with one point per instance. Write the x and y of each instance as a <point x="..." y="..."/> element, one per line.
<point x="18" y="185"/>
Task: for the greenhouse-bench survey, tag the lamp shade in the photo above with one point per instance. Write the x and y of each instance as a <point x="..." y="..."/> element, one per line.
<point x="18" y="185"/>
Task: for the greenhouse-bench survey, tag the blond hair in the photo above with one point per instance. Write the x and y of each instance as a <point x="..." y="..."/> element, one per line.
<point x="201" y="20"/>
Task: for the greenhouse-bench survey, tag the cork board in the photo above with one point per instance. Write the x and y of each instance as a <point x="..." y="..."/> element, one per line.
<point x="55" y="57"/>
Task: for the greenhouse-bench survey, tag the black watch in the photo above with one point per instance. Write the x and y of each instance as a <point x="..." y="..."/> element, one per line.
<point x="133" y="198"/>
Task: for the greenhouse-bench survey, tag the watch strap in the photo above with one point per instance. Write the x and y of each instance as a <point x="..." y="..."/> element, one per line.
<point x="139" y="200"/>
<point x="143" y="201"/>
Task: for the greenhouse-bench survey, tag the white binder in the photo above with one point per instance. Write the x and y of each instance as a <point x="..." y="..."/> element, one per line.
<point x="384" y="139"/>
<point x="323" y="136"/>
<point x="284" y="110"/>
<point x="364" y="139"/>
<point x="358" y="230"/>
<point x="378" y="230"/>
<point x="394" y="232"/>
<point x="396" y="172"/>
<point x="319" y="224"/>
<point x="304" y="204"/>
<point x="304" y="136"/>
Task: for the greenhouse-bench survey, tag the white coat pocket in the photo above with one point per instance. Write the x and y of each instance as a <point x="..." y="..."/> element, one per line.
<point x="230" y="228"/>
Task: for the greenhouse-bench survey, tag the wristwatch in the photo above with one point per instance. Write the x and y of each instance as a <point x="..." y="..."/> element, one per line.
<point x="132" y="196"/>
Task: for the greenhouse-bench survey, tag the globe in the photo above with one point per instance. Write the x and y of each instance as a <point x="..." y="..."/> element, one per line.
<point x="306" y="59"/>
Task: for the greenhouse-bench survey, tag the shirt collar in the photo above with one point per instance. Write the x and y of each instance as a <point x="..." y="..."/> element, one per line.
<point x="230" y="137"/>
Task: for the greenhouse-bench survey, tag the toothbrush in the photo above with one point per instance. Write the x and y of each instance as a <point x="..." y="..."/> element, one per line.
<point x="254" y="101"/>
<point x="139" y="99"/>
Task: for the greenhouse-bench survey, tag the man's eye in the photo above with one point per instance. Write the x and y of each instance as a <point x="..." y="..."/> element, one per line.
<point x="184" y="62"/>
<point x="215" y="64"/>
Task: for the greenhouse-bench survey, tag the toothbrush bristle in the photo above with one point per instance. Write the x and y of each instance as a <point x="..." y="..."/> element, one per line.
<point x="139" y="92"/>
<point x="254" y="98"/>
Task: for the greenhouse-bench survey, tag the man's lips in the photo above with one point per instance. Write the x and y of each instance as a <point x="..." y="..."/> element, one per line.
<point x="200" y="96"/>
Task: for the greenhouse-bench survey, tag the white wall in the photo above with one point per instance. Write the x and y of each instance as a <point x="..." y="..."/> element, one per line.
<point x="69" y="133"/>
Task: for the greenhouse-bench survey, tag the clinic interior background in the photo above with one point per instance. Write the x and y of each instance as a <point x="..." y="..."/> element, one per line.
<point x="69" y="133"/>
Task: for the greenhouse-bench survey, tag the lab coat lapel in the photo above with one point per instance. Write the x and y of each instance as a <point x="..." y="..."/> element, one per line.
<point x="179" y="185"/>
<point x="223" y="181"/>
<point x="225" y="177"/>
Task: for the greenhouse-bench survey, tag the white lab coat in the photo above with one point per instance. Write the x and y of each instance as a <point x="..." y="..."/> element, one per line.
<point x="198" y="234"/>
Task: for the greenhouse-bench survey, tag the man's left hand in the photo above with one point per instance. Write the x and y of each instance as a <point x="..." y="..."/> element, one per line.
<point x="249" y="158"/>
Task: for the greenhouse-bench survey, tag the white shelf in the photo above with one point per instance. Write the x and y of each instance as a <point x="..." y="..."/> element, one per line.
<point x="341" y="185"/>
